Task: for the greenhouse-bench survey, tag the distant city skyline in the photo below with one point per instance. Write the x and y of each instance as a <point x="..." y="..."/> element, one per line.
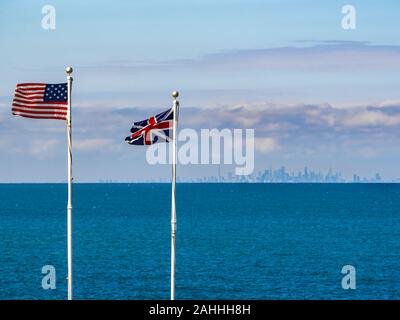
<point x="277" y="175"/>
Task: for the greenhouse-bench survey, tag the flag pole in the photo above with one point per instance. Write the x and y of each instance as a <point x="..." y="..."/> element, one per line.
<point x="175" y="95"/>
<point x="69" y="70"/>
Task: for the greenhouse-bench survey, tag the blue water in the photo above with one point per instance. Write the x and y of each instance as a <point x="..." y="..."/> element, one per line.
<point x="235" y="241"/>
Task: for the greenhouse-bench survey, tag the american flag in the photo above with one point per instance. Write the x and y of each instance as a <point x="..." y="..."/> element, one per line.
<point x="41" y="101"/>
<point x="155" y="129"/>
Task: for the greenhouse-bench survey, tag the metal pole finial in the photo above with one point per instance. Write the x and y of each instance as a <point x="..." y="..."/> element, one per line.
<point x="69" y="70"/>
<point x="175" y="94"/>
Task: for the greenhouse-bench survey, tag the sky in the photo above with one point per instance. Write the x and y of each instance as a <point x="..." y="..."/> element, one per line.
<point x="316" y="95"/>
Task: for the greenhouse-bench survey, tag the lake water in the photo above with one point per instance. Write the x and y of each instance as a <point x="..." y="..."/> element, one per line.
<point x="234" y="241"/>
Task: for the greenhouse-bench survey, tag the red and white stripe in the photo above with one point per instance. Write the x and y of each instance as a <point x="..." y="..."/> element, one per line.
<point x="29" y="102"/>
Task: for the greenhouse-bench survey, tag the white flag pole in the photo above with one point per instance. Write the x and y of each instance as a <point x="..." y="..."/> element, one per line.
<point x="175" y="95"/>
<point x="69" y="70"/>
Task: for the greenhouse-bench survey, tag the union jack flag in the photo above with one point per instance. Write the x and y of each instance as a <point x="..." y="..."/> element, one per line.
<point x="155" y="129"/>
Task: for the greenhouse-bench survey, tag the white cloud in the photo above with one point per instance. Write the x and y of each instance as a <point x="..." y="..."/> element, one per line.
<point x="303" y="118"/>
<point x="265" y="144"/>
<point x="389" y="103"/>
<point x="370" y="118"/>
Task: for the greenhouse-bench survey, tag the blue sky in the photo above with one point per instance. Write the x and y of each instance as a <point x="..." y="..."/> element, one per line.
<point x="327" y="97"/>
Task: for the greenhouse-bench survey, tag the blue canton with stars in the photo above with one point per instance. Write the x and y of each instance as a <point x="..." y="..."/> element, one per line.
<point x="56" y="93"/>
